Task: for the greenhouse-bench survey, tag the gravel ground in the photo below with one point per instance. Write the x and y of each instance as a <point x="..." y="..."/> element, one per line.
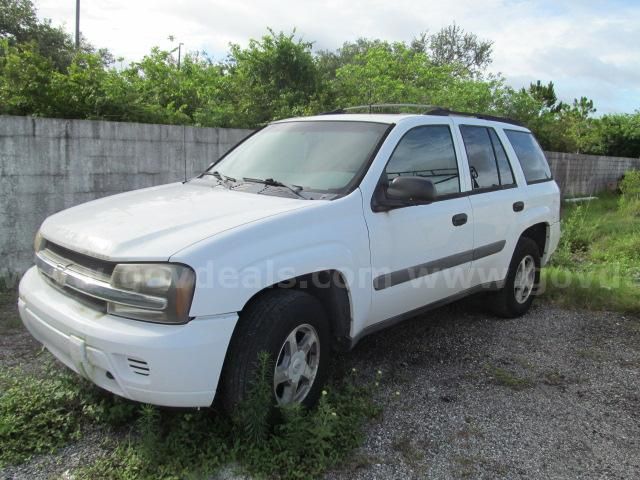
<point x="551" y="395"/>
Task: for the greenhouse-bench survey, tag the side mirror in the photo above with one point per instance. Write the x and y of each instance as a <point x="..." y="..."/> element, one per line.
<point x="411" y="189"/>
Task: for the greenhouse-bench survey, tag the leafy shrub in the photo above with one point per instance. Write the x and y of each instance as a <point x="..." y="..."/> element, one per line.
<point x="630" y="188"/>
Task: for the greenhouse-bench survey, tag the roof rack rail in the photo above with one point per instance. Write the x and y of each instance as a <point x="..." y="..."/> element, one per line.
<point x="427" y="110"/>
<point x="446" y="112"/>
<point x="377" y="106"/>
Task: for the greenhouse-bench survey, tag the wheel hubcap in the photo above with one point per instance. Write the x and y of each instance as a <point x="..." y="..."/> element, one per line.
<point x="525" y="279"/>
<point x="297" y="365"/>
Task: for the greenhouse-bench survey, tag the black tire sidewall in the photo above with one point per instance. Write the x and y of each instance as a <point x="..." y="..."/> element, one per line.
<point x="266" y="325"/>
<point x="304" y="311"/>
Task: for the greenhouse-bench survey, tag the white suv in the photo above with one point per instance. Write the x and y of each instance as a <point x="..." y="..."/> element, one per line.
<point x="308" y="235"/>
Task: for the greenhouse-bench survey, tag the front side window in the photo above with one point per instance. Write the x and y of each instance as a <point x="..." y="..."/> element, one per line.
<point x="427" y="151"/>
<point x="319" y="156"/>
<point x="488" y="162"/>
<point x="530" y="155"/>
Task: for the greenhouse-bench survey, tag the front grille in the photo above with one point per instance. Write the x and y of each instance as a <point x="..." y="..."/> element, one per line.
<point x="83" y="264"/>
<point x="94" y="267"/>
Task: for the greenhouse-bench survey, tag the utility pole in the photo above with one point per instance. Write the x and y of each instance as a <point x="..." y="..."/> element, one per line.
<point x="179" y="52"/>
<point x="77" y="24"/>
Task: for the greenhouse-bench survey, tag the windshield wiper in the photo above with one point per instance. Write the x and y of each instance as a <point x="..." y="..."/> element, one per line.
<point x="222" y="179"/>
<point x="271" y="182"/>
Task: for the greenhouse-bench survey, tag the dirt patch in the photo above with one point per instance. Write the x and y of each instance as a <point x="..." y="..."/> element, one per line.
<point x="17" y="346"/>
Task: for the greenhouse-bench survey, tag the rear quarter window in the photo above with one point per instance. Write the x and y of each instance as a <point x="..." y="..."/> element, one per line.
<point x="530" y="155"/>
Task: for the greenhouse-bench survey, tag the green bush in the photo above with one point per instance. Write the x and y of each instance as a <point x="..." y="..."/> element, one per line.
<point x="630" y="188"/>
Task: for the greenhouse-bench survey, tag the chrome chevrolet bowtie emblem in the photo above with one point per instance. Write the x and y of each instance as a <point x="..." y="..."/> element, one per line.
<point x="59" y="275"/>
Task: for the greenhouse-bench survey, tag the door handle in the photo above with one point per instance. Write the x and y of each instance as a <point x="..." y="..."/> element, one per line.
<point x="518" y="206"/>
<point x="459" y="219"/>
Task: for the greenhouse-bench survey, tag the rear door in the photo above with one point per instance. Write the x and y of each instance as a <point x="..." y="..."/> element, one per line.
<point x="494" y="197"/>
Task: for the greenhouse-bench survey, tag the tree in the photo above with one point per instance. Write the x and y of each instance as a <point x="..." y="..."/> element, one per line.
<point x="273" y="77"/>
<point x="25" y="80"/>
<point x="19" y="24"/>
<point x="388" y="73"/>
<point x="546" y="94"/>
<point x="619" y="135"/>
<point x="453" y="46"/>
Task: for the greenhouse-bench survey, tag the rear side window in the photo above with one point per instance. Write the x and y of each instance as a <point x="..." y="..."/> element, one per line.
<point x="428" y="152"/>
<point x="530" y="155"/>
<point x="488" y="163"/>
<point x="504" y="168"/>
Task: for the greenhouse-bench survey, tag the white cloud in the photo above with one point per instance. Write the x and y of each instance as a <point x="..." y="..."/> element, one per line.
<point x="585" y="48"/>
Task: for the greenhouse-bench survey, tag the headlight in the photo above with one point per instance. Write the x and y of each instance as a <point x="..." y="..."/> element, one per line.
<point x="174" y="283"/>
<point x="38" y="242"/>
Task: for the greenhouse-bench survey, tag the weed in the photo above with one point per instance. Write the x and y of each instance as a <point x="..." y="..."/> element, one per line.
<point x="593" y="354"/>
<point x="38" y="415"/>
<point x="301" y="444"/>
<point x="554" y="378"/>
<point x="590" y="290"/>
<point x="508" y="379"/>
<point x="630" y="187"/>
<point x="597" y="263"/>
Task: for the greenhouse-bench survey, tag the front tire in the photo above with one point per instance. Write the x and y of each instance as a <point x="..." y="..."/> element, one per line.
<point x="292" y="328"/>
<point x="521" y="284"/>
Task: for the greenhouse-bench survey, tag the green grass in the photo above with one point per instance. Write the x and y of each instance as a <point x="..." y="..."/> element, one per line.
<point x="508" y="379"/>
<point x="597" y="264"/>
<point x="41" y="414"/>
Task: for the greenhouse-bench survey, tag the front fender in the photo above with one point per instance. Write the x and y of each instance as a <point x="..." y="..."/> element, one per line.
<point x="234" y="266"/>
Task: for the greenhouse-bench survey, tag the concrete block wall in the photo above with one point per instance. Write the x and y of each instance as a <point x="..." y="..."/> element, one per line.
<point x="584" y="175"/>
<point x="47" y="165"/>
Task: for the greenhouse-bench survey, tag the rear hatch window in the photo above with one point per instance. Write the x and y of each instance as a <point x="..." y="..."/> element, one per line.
<point x="530" y="155"/>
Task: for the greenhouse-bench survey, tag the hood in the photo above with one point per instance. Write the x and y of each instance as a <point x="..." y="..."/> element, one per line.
<point x="154" y="223"/>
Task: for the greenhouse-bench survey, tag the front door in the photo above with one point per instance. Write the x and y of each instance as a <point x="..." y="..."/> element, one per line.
<point x="421" y="254"/>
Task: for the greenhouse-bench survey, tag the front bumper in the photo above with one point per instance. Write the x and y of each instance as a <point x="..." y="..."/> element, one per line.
<point x="169" y="365"/>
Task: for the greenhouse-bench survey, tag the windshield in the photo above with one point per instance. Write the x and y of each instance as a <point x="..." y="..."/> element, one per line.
<point x="324" y="156"/>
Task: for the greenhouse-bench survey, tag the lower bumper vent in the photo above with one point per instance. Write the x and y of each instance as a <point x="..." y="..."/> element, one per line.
<point x="139" y="367"/>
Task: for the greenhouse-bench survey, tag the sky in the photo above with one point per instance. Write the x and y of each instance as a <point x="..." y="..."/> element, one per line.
<point x="587" y="48"/>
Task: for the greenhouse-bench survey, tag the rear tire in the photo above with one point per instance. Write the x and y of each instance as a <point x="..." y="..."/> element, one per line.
<point x="521" y="284"/>
<point x="292" y="328"/>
